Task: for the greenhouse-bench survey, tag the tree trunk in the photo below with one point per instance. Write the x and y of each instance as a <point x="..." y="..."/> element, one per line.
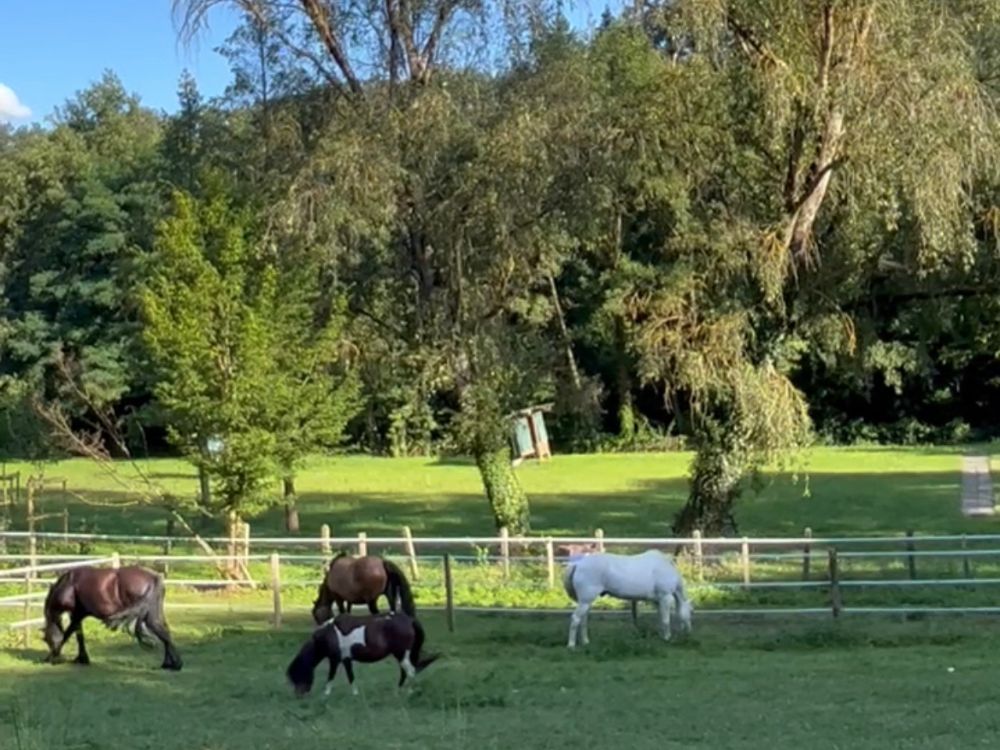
<point x="506" y="496"/>
<point x="717" y="475"/>
<point x="291" y="508"/>
<point x="206" y="488"/>
<point x="623" y="383"/>
<point x="232" y="529"/>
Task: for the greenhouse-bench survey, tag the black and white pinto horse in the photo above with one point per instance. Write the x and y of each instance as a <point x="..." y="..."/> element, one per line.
<point x="649" y="576"/>
<point x="346" y="639"/>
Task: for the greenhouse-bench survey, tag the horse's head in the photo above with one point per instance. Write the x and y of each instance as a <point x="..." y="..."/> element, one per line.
<point x="52" y="634"/>
<point x="321" y="612"/>
<point x="321" y="645"/>
<point x="684" y="611"/>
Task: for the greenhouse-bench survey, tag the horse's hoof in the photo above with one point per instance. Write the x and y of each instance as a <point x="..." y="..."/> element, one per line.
<point x="173" y="666"/>
<point x="83" y="661"/>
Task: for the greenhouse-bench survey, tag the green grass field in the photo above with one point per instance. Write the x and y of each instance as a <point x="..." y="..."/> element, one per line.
<point x="847" y="491"/>
<point x="510" y="682"/>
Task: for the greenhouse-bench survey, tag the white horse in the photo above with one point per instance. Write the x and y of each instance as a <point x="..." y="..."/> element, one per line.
<point x="649" y="576"/>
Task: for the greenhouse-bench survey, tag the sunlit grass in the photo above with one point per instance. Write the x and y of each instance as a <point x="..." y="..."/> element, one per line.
<point x="844" y="491"/>
<point x="511" y="682"/>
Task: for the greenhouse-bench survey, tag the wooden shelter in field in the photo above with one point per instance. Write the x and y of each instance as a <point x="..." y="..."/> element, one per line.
<point x="528" y="434"/>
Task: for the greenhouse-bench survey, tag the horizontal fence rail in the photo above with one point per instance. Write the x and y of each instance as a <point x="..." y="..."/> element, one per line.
<point x="744" y="576"/>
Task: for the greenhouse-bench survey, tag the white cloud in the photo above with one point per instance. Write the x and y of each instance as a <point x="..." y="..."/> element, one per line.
<point x="10" y="106"/>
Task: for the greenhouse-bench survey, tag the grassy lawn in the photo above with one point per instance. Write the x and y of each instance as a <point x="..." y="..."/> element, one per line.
<point x="850" y="491"/>
<point x="510" y="682"/>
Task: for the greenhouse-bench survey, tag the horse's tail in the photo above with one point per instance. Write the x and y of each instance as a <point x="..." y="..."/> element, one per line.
<point x="568" y="581"/>
<point x="150" y="603"/>
<point x="418" y="662"/>
<point x="397" y="583"/>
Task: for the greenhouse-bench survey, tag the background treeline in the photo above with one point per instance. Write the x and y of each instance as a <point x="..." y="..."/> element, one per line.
<point x="736" y="225"/>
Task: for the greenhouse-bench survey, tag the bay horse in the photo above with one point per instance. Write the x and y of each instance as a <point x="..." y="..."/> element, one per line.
<point x="361" y="580"/>
<point x="347" y="638"/>
<point x="118" y="597"/>
<point x="648" y="576"/>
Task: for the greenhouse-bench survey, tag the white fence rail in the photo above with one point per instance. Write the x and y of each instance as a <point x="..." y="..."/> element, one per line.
<point x="817" y="563"/>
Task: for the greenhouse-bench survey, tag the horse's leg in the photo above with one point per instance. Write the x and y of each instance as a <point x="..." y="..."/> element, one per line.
<point x="76" y="627"/>
<point x="171" y="659"/>
<point x="663" y="604"/>
<point x="635" y="612"/>
<point x="340" y="605"/>
<point x="575" y="620"/>
<point x="372" y="607"/>
<point x="334" y="663"/>
<point x="406" y="668"/>
<point x="349" y="668"/>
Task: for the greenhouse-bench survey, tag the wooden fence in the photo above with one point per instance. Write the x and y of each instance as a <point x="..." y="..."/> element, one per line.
<point x="816" y="564"/>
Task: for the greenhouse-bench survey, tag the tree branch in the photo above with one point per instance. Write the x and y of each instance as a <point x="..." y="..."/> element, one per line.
<point x="320" y="19"/>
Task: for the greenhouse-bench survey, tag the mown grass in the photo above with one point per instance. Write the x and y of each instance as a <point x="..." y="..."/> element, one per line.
<point x="509" y="681"/>
<point x="845" y="491"/>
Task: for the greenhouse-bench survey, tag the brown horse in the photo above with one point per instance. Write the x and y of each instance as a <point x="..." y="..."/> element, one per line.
<point x="347" y="639"/>
<point x="117" y="597"/>
<point x="361" y="580"/>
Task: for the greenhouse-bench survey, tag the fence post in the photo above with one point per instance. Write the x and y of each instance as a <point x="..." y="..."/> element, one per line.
<point x="599" y="539"/>
<point x="699" y="559"/>
<point x="276" y="588"/>
<point x="362" y="543"/>
<point x="745" y="561"/>
<point x="168" y="545"/>
<point x="411" y="552"/>
<point x="65" y="524"/>
<point x="449" y="594"/>
<point x="116" y="560"/>
<point x="806" y="554"/>
<point x="32" y="552"/>
<point x="550" y="561"/>
<point x="246" y="545"/>
<point x="911" y="561"/>
<point x="966" y="566"/>
<point x="505" y="550"/>
<point x="26" y="631"/>
<point x="324" y="539"/>
<point x="835" y="603"/>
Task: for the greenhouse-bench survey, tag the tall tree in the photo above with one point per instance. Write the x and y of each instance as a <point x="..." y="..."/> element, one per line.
<point x="826" y="104"/>
<point x="233" y="356"/>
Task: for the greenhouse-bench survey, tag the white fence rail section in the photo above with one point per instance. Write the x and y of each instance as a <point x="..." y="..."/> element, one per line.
<point x="756" y="565"/>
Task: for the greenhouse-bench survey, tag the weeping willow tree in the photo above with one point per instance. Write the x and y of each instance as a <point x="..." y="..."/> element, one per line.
<point x="855" y="134"/>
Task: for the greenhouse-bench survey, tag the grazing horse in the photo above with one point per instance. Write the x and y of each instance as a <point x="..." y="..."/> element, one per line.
<point x="361" y="580"/>
<point x="127" y="596"/>
<point x="347" y="639"/>
<point x="648" y="576"/>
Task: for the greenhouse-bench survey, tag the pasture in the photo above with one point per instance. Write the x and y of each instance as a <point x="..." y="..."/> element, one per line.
<point x="848" y="491"/>
<point x="511" y="682"/>
<point x="770" y="681"/>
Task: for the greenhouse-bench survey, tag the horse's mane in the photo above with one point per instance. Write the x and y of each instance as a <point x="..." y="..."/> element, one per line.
<point x="57" y="586"/>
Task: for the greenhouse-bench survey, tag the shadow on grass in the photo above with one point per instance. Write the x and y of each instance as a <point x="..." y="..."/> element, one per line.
<point x="837" y="503"/>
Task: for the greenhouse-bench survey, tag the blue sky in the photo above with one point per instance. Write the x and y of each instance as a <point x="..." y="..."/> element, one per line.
<point x="50" y="49"/>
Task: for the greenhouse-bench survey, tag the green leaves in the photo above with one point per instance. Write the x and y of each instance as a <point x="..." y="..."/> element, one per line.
<point x="236" y="354"/>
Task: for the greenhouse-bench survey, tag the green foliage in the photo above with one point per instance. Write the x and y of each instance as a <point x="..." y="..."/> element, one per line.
<point x="724" y="220"/>
<point x="237" y="356"/>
